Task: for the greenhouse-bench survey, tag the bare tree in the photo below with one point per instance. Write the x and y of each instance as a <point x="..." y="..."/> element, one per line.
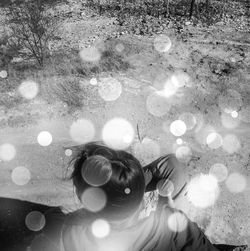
<point x="31" y="27"/>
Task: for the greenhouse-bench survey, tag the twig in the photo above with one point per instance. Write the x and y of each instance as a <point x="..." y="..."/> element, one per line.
<point x="138" y="132"/>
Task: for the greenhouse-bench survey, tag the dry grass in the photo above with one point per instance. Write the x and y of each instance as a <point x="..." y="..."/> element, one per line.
<point x="59" y="79"/>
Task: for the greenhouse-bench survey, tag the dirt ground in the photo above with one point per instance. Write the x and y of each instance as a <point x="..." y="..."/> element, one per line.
<point x="216" y="59"/>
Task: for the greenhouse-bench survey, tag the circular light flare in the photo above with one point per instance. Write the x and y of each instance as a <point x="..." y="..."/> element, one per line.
<point x="214" y="140"/>
<point x="202" y="134"/>
<point x="119" y="48"/>
<point x="100" y="228"/>
<point x="7" y="152"/>
<point x="118" y="133"/>
<point x="189" y="119"/>
<point x="3" y="74"/>
<point x="234" y="114"/>
<point x="219" y="171"/>
<point x="203" y="191"/>
<point x="94" y="199"/>
<point x="231" y="143"/>
<point x="183" y="153"/>
<point x="157" y="104"/>
<point x="165" y="187"/>
<point x="109" y="89"/>
<point x="28" y="89"/>
<point x="177" y="222"/>
<point x="21" y="175"/>
<point x="179" y="141"/>
<point x="68" y="152"/>
<point x="178" y="128"/>
<point x="91" y="54"/>
<point x="180" y="79"/>
<point x="162" y="43"/>
<point x="127" y="190"/>
<point x="35" y="221"/>
<point x="93" y="81"/>
<point x="236" y="183"/>
<point x="82" y="131"/>
<point x="44" y="138"/>
<point x="96" y="170"/>
<point x="147" y="150"/>
<point x="170" y="88"/>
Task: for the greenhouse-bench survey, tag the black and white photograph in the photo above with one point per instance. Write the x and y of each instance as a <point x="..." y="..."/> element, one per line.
<point x="124" y="125"/>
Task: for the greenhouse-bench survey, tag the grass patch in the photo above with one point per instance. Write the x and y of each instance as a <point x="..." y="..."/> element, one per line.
<point x="59" y="79"/>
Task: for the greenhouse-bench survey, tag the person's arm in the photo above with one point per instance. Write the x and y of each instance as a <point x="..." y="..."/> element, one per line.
<point x="186" y="235"/>
<point x="193" y="239"/>
<point x="169" y="168"/>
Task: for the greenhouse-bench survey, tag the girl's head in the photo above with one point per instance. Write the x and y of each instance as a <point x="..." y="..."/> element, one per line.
<point x="114" y="179"/>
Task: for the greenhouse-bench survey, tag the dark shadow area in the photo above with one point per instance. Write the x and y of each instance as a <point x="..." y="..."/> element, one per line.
<point x="14" y="234"/>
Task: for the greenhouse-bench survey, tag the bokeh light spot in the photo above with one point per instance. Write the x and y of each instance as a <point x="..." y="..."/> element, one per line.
<point x="91" y="54"/>
<point x="94" y="199"/>
<point x="93" y="81"/>
<point x="44" y="138"/>
<point x="165" y="187"/>
<point x="180" y="79"/>
<point x="189" y="119"/>
<point x="119" y="48"/>
<point x="68" y="152"/>
<point x="110" y="89"/>
<point x="96" y="170"/>
<point x="234" y="114"/>
<point x="214" y="140"/>
<point x="236" y="183"/>
<point x="170" y="87"/>
<point x="183" y="153"/>
<point x="3" y="74"/>
<point x="35" y="221"/>
<point x="203" y="132"/>
<point x="100" y="228"/>
<point x="177" y="222"/>
<point x="178" y="128"/>
<point x="82" y="131"/>
<point x="147" y="150"/>
<point x="219" y="171"/>
<point x="29" y="89"/>
<point x="203" y="191"/>
<point x="118" y="133"/>
<point x="231" y="143"/>
<point x="7" y="152"/>
<point x="179" y="141"/>
<point x="162" y="43"/>
<point x="20" y="175"/>
<point x="127" y="190"/>
<point x="157" y="104"/>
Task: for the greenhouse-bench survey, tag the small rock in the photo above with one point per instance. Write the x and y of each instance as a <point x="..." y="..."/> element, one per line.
<point x="188" y="23"/>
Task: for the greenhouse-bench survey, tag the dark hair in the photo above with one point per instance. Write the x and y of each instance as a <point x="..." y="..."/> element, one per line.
<point x="125" y="184"/>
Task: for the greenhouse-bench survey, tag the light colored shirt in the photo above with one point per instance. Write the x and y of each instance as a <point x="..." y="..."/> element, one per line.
<point x="164" y="230"/>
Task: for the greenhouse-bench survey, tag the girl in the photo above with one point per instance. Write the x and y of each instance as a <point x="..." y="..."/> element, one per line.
<point x="111" y="185"/>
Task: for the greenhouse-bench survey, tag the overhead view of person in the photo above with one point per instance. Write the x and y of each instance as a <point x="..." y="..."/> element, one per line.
<point x="110" y="184"/>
